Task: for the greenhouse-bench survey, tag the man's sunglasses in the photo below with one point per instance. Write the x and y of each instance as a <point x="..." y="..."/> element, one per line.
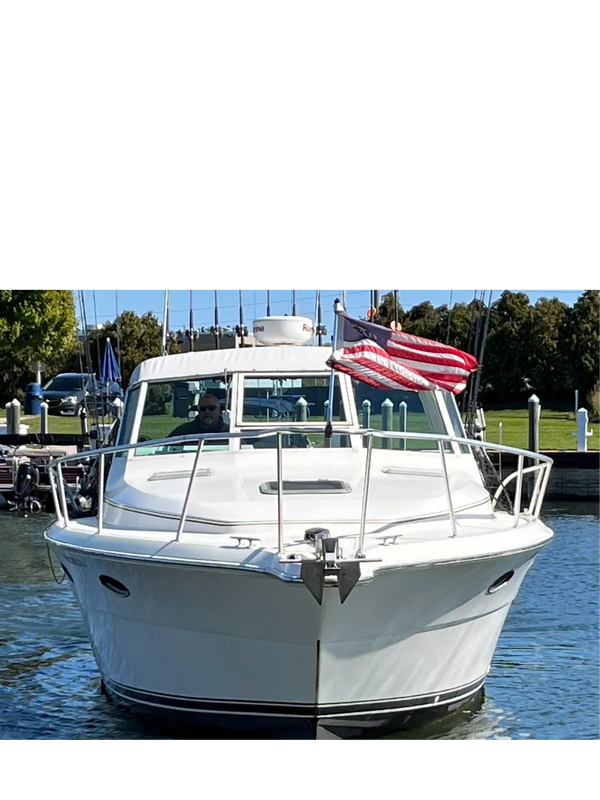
<point x="207" y="408"/>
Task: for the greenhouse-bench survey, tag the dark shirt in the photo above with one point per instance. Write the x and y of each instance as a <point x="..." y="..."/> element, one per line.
<point x="196" y="426"/>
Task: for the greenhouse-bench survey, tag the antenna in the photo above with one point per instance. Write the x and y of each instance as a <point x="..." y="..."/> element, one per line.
<point x="294" y="302"/>
<point x="396" y="312"/>
<point x="268" y="302"/>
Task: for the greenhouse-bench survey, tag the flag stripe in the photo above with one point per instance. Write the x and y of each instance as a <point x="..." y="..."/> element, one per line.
<point x="433" y="371"/>
<point x="406" y="369"/>
<point x="425" y="356"/>
<point x="386" y="359"/>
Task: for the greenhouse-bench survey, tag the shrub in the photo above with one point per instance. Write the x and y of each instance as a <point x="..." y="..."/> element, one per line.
<point x="593" y="399"/>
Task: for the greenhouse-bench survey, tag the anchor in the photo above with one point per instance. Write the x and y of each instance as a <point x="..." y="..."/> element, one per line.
<point x="329" y="567"/>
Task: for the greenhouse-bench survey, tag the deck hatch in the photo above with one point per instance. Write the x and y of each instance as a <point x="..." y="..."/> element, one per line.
<point x="307" y="487"/>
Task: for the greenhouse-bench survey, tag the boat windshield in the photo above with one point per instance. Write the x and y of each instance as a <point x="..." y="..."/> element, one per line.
<point x="177" y="408"/>
<point x="380" y="409"/>
<point x="294" y="400"/>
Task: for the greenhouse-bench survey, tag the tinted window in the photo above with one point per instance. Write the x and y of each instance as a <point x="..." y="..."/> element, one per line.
<point x="65" y="384"/>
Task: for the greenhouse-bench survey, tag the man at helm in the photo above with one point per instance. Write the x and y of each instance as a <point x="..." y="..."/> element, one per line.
<point x="209" y="419"/>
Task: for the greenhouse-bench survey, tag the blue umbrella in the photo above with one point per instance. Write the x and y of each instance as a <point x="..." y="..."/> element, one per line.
<point x="110" y="368"/>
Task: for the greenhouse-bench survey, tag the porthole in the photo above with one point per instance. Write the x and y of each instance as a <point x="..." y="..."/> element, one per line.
<point x="113" y="585"/>
<point x="501" y="582"/>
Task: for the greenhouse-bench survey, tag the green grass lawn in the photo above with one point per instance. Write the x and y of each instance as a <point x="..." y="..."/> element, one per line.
<point x="555" y="428"/>
<point x="55" y="424"/>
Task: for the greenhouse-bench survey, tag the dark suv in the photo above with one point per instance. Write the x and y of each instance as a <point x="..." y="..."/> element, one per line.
<point x="65" y="394"/>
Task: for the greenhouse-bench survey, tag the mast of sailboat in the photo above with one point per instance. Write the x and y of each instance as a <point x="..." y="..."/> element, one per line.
<point x="217" y="329"/>
<point x="163" y="347"/>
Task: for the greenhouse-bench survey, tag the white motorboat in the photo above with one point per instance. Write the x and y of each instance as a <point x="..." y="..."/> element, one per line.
<point x="280" y="576"/>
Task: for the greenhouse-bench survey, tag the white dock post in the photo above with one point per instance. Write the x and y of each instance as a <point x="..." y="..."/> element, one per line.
<point x="582" y="432"/>
<point x="14" y="426"/>
<point x="387" y="420"/>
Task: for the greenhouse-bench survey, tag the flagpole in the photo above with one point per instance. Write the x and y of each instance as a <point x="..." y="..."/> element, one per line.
<point x="338" y="308"/>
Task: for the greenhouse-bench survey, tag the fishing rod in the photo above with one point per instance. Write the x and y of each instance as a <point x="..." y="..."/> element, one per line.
<point x="466" y="395"/>
<point x="87" y="351"/>
<point x="163" y="349"/>
<point x="192" y="333"/>
<point x="471" y="398"/>
<point x="217" y="330"/>
<point x="449" y="319"/>
<point x="242" y="332"/>
<point x="319" y="319"/>
<point x="99" y="361"/>
<point x="481" y="361"/>
<point x="118" y="325"/>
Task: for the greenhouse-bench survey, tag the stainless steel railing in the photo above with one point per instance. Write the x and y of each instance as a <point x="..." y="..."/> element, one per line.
<point x="540" y="471"/>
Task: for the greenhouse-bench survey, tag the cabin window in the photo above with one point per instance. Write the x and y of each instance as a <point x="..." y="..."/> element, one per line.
<point x="422" y="414"/>
<point x="458" y="429"/>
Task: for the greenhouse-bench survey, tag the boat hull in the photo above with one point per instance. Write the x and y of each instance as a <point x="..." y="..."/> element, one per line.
<point x="247" y="651"/>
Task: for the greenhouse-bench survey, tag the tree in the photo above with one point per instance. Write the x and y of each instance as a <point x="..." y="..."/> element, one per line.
<point x="386" y="313"/>
<point x="134" y="339"/>
<point x="462" y="321"/>
<point x="424" y="320"/>
<point x="507" y="362"/>
<point x="584" y="341"/>
<point x="549" y="355"/>
<point x="35" y="325"/>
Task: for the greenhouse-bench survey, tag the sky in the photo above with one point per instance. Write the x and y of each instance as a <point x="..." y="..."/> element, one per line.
<point x="255" y="303"/>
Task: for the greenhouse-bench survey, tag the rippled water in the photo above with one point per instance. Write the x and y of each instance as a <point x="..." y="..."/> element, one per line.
<point x="543" y="683"/>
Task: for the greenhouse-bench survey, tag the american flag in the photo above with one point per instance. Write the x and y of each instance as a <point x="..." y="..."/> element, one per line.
<point x="390" y="359"/>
